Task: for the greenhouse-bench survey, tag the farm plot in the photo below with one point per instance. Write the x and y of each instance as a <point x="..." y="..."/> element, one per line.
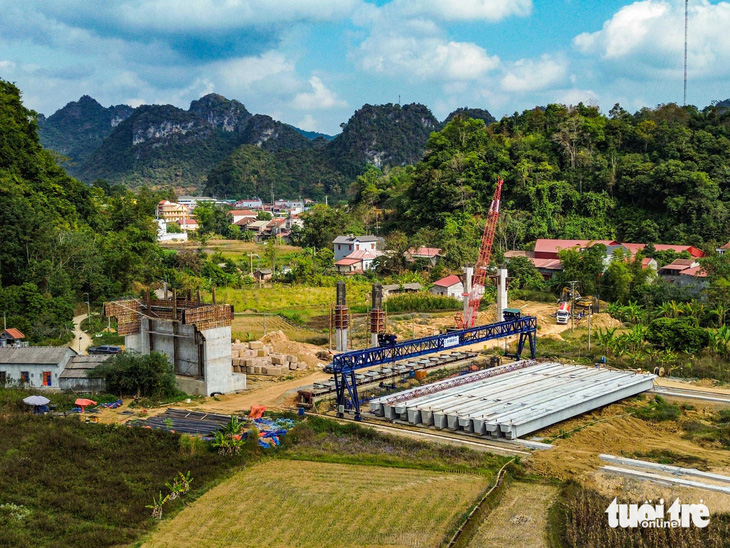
<point x="301" y="503"/>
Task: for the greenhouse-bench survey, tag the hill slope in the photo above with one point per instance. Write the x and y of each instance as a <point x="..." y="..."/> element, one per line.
<point x="80" y="127"/>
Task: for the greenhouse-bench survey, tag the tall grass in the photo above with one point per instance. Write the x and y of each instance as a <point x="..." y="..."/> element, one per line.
<point x="580" y="518"/>
<point x="82" y="484"/>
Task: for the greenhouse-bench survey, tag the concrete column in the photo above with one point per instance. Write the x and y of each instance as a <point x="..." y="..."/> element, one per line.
<point x="501" y="293"/>
<point x="468" y="275"/>
<point x="341" y="318"/>
<point x="376" y="314"/>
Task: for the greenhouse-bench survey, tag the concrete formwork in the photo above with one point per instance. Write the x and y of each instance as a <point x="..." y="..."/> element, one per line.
<point x="195" y="337"/>
<point x="512" y="402"/>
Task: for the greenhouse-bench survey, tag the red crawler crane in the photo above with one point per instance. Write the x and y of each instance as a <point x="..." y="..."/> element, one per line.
<point x="468" y="318"/>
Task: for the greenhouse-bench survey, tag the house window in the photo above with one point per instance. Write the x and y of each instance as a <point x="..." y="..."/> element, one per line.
<point x="2" y="378"/>
<point x="46" y="378"/>
<point x="339" y="247"/>
<point x="24" y="377"/>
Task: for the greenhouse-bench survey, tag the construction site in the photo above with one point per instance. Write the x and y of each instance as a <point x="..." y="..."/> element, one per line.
<point x="476" y="380"/>
<point x="473" y="380"/>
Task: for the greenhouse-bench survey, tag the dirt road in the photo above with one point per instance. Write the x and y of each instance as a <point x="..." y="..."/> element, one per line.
<point x="276" y="394"/>
<point x="81" y="345"/>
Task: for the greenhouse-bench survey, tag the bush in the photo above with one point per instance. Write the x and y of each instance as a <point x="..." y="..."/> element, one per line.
<point x="150" y="375"/>
<point x="678" y="334"/>
<point x="421" y="302"/>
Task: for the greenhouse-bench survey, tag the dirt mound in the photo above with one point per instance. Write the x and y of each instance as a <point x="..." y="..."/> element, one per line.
<point x="604" y="320"/>
<point x="283" y="345"/>
<point x="613" y="431"/>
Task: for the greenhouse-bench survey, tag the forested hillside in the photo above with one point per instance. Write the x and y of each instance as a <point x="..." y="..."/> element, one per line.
<point x="384" y="136"/>
<point x="60" y="238"/>
<point x="164" y="146"/>
<point x="79" y="128"/>
<point x="659" y="175"/>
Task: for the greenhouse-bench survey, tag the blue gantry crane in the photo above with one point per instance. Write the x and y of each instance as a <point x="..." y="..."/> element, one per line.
<point x="344" y="365"/>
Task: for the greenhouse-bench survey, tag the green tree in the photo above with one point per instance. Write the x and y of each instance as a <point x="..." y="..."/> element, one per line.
<point x="150" y="375"/>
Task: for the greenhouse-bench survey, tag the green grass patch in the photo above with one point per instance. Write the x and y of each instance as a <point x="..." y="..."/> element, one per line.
<point x="715" y="431"/>
<point x="656" y="410"/>
<point x="79" y="484"/>
<point x="667" y="456"/>
<point x="325" y="440"/>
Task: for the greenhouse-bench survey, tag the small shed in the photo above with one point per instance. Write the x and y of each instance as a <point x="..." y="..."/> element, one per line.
<point x="450" y="286"/>
<point x="263" y="275"/>
<point x="79" y="374"/>
<point x="11" y="337"/>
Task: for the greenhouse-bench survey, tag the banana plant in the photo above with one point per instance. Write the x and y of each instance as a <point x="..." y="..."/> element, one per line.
<point x="157" y="504"/>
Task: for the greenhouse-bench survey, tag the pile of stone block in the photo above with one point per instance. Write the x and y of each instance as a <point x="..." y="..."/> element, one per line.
<point x="257" y="358"/>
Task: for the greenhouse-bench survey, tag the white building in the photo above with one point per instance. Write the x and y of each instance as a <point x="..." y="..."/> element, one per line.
<point x="34" y="366"/>
<point x="345" y="245"/>
<point x="164" y="236"/>
<point x="450" y="286"/>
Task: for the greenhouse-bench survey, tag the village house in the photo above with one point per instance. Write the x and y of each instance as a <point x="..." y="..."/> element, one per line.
<point x="34" y="366"/>
<point x="345" y="245"/>
<point x="188" y="225"/>
<point x="239" y="214"/>
<point x="253" y="203"/>
<point x="425" y="255"/>
<point x="546" y="252"/>
<point x="450" y="286"/>
<point x="11" y="337"/>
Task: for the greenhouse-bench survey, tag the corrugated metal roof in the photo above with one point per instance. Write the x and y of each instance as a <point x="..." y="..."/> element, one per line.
<point x="349" y="239"/>
<point x="14" y="333"/>
<point x="34" y="355"/>
<point x="79" y="366"/>
<point x="448" y="281"/>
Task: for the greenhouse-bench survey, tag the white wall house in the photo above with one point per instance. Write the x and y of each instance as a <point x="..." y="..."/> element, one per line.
<point x="450" y="286"/>
<point x="345" y="245"/>
<point x="34" y="366"/>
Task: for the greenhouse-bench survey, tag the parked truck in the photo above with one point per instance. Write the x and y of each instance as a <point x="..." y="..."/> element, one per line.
<point x="563" y="314"/>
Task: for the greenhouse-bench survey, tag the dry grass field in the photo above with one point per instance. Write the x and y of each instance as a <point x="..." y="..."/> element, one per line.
<point x="300" y="503"/>
<point x="519" y="520"/>
<point x="247" y="327"/>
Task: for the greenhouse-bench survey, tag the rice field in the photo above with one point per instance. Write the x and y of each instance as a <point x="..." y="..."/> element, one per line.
<point x="520" y="519"/>
<point x="300" y="503"/>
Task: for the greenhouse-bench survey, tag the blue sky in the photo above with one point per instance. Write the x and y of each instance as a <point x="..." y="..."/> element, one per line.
<point x="312" y="63"/>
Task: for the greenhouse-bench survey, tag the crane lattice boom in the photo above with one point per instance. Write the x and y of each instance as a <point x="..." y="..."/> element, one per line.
<point x="480" y="270"/>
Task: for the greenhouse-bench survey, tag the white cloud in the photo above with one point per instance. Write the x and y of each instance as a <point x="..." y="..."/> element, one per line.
<point x="532" y="75"/>
<point x="463" y="10"/>
<point x="319" y="98"/>
<point x="7" y="65"/>
<point x="646" y="39"/>
<point x="242" y="72"/>
<point x="308" y="123"/>
<point x="419" y="51"/>
<point x="625" y="31"/>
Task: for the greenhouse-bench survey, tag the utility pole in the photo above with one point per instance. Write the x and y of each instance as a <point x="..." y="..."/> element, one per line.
<point x="590" y="315"/>
<point x="572" y="306"/>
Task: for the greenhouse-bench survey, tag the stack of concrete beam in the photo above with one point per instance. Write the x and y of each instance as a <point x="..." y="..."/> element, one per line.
<point x="257" y="358"/>
<point x="513" y="402"/>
